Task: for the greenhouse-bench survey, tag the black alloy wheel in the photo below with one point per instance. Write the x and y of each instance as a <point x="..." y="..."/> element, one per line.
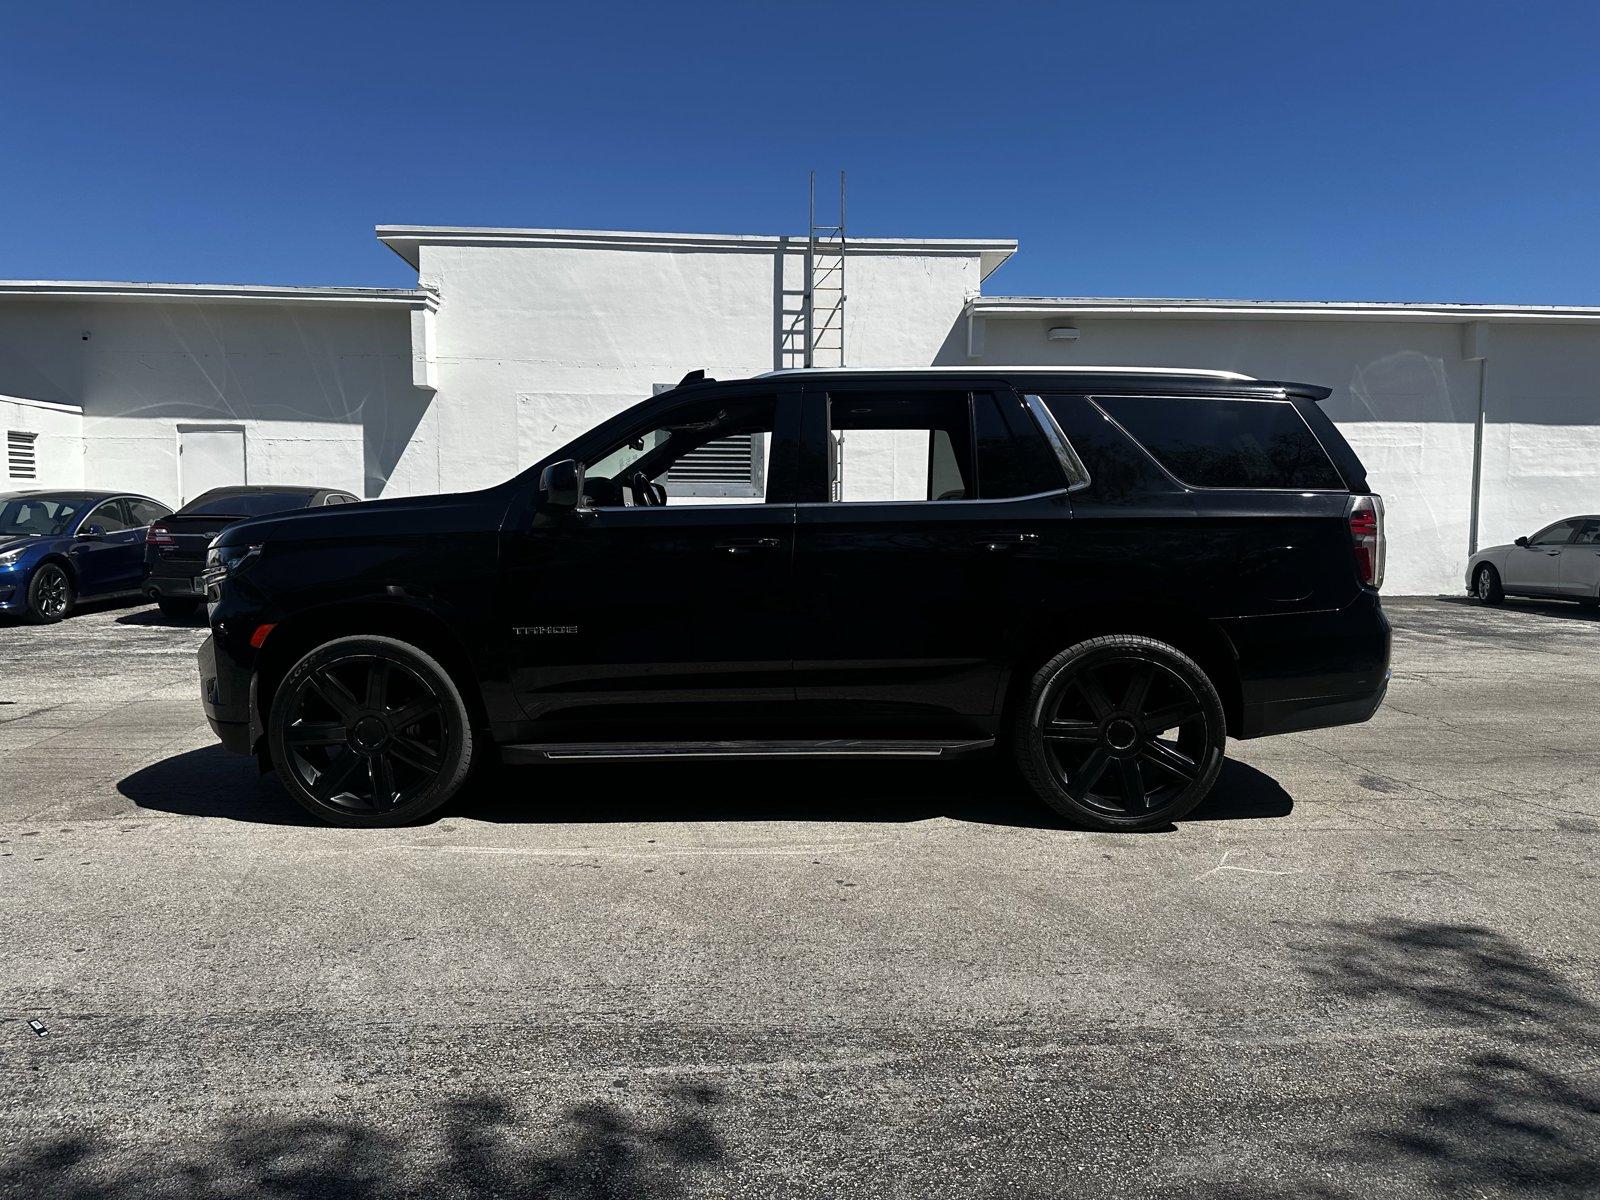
<point x="1122" y="732"/>
<point x="49" y="594"/>
<point x="370" y="731"/>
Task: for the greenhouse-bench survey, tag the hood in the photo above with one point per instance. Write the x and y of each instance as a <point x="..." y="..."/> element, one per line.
<point x="10" y="543"/>
<point x="374" y="518"/>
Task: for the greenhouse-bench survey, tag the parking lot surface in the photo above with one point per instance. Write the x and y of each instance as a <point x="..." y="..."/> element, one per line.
<point x="1367" y="966"/>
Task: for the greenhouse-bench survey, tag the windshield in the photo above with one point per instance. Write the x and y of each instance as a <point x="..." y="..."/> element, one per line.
<point x="246" y="504"/>
<point x="40" y="516"/>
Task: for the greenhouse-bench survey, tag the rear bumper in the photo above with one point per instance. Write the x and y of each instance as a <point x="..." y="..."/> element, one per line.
<point x="174" y="581"/>
<point x="225" y="694"/>
<point x="1311" y="670"/>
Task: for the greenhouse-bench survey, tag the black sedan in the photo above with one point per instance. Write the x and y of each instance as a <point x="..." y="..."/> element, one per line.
<point x="175" y="547"/>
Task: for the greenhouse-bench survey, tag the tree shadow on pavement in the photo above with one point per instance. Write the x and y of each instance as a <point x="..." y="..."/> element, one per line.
<point x="984" y="790"/>
<point x="1513" y="1111"/>
<point x="475" y="1146"/>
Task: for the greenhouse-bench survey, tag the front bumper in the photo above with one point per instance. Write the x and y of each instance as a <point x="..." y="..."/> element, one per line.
<point x="225" y="694"/>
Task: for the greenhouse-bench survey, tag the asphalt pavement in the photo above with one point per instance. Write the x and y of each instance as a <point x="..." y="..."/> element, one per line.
<point x="1366" y="966"/>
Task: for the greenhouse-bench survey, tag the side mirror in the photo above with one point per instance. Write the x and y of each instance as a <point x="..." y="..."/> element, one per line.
<point x="92" y="533"/>
<point x="1522" y="541"/>
<point x="562" y="486"/>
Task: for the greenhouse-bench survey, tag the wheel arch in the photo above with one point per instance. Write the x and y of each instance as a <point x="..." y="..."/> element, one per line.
<point x="1200" y="639"/>
<point x="423" y="628"/>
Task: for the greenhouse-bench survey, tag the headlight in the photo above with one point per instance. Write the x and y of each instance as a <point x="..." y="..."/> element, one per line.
<point x="223" y="561"/>
<point x="9" y="558"/>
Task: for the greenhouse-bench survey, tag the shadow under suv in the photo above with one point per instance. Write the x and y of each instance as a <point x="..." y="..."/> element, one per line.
<point x="1107" y="571"/>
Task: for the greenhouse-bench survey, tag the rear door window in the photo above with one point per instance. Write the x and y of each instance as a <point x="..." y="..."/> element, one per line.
<point x="1215" y="443"/>
<point x="146" y="512"/>
<point x="110" y="517"/>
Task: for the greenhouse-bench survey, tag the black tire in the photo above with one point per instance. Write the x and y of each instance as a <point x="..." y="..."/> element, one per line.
<point x="341" y="741"/>
<point x="179" y="608"/>
<point x="1486" y="585"/>
<point x="1089" y="735"/>
<point x="50" y="594"/>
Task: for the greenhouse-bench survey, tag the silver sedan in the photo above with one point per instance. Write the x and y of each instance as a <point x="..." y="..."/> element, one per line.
<point x="1561" y="562"/>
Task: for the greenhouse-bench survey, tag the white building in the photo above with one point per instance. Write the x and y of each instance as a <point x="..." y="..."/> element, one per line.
<point x="516" y="339"/>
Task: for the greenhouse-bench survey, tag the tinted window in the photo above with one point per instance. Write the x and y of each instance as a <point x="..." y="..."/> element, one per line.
<point x="1554" y="535"/>
<point x="45" y="515"/>
<point x="246" y="504"/>
<point x="111" y="517"/>
<point x="1590" y="535"/>
<point x="146" y="512"/>
<point x="1227" y="443"/>
<point x="1013" y="460"/>
<point x="1118" y="469"/>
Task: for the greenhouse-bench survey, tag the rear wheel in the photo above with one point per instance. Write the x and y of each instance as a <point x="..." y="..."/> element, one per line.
<point x="1122" y="732"/>
<point x="178" y="608"/>
<point x="49" y="594"/>
<point x="1486" y="585"/>
<point x="369" y="731"/>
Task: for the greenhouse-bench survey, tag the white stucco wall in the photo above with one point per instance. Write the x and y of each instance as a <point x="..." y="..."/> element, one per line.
<point x="323" y="391"/>
<point x="57" y="445"/>
<point x="536" y="343"/>
<point x="1406" y="399"/>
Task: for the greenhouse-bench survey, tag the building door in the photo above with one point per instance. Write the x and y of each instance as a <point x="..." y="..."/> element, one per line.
<point x="209" y="456"/>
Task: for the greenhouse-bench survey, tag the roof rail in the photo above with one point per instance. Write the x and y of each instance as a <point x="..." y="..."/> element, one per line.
<point x="1023" y="369"/>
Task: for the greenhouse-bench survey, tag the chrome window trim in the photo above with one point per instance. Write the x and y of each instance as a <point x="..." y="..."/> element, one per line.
<point x="1077" y="474"/>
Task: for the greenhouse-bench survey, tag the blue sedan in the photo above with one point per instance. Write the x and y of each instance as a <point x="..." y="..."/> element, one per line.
<point x="59" y="547"/>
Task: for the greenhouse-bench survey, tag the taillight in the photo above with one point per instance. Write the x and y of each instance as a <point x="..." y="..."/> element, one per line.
<point x="159" y="535"/>
<point x="1366" y="538"/>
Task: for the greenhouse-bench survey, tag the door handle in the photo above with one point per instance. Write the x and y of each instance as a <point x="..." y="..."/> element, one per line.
<point x="1001" y="542"/>
<point x="749" y="545"/>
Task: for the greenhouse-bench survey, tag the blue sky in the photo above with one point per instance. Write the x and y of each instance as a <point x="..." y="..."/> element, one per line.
<point x="1428" y="151"/>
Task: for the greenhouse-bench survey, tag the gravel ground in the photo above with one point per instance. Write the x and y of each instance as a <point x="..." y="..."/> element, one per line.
<point x="1367" y="966"/>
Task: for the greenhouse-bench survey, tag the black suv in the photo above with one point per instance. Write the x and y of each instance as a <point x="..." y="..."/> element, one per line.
<point x="1106" y="570"/>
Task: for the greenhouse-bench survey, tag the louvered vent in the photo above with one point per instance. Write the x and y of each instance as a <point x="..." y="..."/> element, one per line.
<point x="21" y="460"/>
<point x="729" y="466"/>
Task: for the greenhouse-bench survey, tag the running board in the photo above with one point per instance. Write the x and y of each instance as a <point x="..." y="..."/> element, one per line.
<point x="537" y="752"/>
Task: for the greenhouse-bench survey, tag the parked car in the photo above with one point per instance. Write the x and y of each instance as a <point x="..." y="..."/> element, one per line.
<point x="1560" y="562"/>
<point x="57" y="548"/>
<point x="1105" y="570"/>
<point x="175" y="548"/>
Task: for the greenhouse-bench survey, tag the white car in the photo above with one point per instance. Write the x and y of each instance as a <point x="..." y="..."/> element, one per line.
<point x="1560" y="562"/>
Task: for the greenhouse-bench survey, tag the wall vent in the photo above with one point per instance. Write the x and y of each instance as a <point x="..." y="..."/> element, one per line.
<point x="729" y="466"/>
<point x="22" y="461"/>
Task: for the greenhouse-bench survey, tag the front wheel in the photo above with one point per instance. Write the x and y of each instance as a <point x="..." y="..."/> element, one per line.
<point x="1486" y="585"/>
<point x="1120" y="733"/>
<point x="49" y="594"/>
<point x="369" y="731"/>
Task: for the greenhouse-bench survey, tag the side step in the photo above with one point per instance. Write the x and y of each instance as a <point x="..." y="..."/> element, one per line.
<point x="537" y="752"/>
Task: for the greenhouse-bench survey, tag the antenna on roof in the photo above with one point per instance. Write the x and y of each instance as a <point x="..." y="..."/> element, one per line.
<point x="699" y="376"/>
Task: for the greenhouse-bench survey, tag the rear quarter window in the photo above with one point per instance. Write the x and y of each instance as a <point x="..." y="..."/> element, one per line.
<point x="1217" y="443"/>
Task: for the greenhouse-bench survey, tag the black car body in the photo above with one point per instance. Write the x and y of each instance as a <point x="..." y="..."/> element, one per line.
<point x="1094" y="552"/>
<point x="175" y="548"/>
